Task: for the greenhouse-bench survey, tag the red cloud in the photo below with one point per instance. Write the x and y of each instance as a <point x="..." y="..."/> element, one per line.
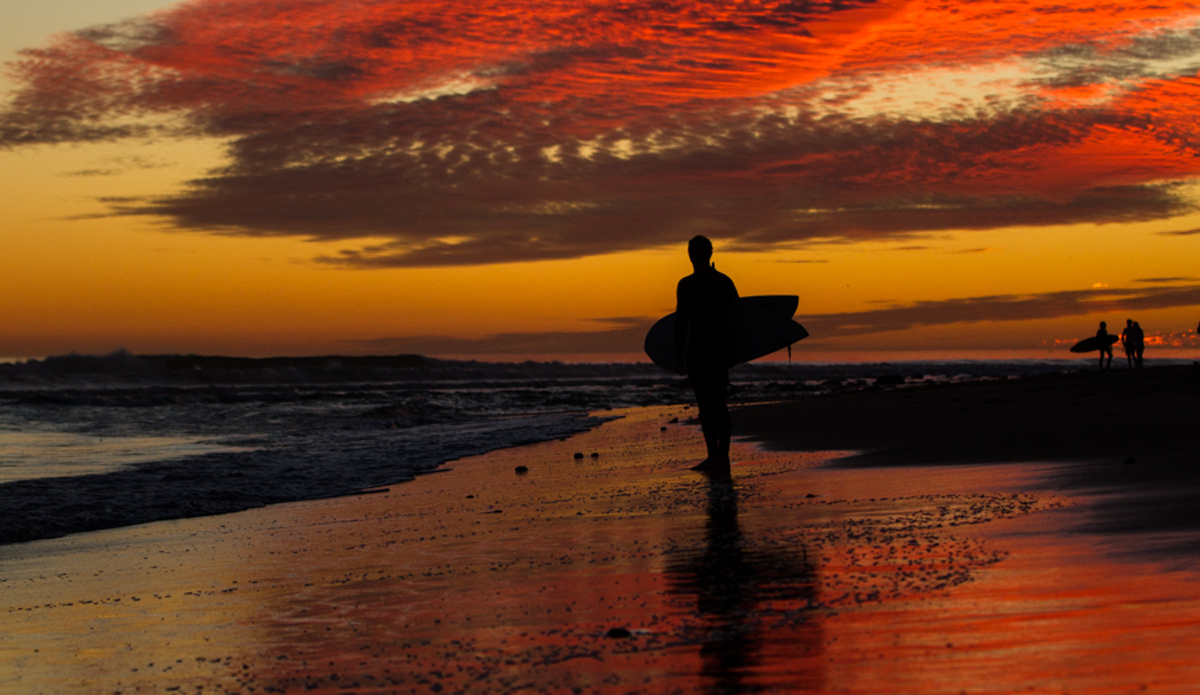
<point x="483" y="131"/>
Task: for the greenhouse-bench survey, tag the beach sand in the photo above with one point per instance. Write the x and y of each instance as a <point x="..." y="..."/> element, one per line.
<point x="1127" y="438"/>
<point x="626" y="572"/>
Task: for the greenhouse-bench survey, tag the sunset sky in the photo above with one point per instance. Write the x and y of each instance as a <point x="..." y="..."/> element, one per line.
<point x="516" y="178"/>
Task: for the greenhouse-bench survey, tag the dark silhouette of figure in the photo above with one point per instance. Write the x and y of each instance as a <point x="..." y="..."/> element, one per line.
<point x="1105" y="347"/>
<point x="746" y="593"/>
<point x="1127" y="342"/>
<point x="1139" y="344"/>
<point x="703" y="348"/>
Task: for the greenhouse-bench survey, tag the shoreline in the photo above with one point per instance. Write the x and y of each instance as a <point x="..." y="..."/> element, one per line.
<point x="218" y="484"/>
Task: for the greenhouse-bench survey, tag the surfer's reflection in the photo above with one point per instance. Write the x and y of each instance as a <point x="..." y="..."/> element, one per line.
<point x="750" y="598"/>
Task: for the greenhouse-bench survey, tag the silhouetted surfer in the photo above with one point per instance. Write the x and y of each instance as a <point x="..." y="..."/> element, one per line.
<point x="703" y="348"/>
<point x="1139" y="344"/>
<point x="1127" y="342"/>
<point x="1105" y="346"/>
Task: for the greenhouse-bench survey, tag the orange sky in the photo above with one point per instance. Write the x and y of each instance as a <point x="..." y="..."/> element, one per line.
<point x="518" y="178"/>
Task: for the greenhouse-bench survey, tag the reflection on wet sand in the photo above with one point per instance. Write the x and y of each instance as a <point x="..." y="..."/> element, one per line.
<point x="748" y="593"/>
<point x="582" y="577"/>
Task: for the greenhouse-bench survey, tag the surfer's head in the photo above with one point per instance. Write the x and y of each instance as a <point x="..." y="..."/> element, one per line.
<point x="700" y="250"/>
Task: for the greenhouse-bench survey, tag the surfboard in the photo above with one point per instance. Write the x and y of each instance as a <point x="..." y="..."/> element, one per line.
<point x="762" y="324"/>
<point x="1094" y="343"/>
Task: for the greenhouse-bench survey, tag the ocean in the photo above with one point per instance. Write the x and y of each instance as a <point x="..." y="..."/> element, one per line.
<point x="93" y="442"/>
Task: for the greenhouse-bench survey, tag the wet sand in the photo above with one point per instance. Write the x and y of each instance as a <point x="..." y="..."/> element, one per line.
<point x="1095" y="416"/>
<point x="1127" y="438"/>
<point x="621" y="573"/>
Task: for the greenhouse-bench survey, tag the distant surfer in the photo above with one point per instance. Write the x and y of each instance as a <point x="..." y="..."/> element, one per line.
<point x="703" y="348"/>
<point x="1127" y="342"/>
<point x="1105" y="344"/>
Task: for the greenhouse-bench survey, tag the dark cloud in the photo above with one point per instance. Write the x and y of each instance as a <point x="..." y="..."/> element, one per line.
<point x="462" y="134"/>
<point x="1165" y="281"/>
<point x="87" y="173"/>
<point x="627" y="339"/>
<point x="631" y="332"/>
<point x="1182" y="232"/>
<point x="1000" y="308"/>
<point x="118" y="165"/>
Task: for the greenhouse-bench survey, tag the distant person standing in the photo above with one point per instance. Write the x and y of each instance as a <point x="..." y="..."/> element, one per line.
<point x="704" y="348"/>
<point x="1105" y="345"/>
<point x="1127" y="342"/>
<point x="1139" y="344"/>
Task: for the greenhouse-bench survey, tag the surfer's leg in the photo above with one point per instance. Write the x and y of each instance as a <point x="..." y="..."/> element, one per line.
<point x="702" y="413"/>
<point x="708" y="423"/>
<point x="714" y="420"/>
